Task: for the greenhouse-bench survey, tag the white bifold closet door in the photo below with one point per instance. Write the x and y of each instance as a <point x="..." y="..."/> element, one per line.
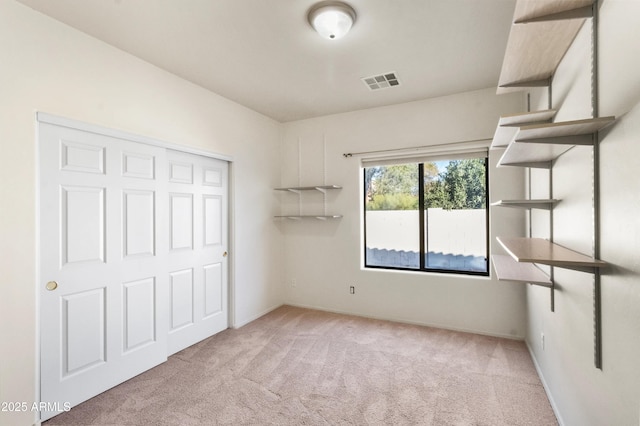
<point x="197" y="258"/>
<point x="133" y="265"/>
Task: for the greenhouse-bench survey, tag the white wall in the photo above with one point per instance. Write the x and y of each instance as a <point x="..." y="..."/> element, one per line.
<point x="582" y="394"/>
<point x="324" y="258"/>
<point x="52" y="68"/>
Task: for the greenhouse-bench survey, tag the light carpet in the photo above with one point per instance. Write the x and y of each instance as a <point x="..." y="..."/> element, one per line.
<point x="298" y="366"/>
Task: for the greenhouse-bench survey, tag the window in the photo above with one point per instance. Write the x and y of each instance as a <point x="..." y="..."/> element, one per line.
<point x="427" y="216"/>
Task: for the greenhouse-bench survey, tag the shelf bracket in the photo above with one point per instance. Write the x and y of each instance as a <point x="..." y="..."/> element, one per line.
<point x="535" y="165"/>
<point x="528" y="83"/>
<point x="529" y="123"/>
<point x="579" y="13"/>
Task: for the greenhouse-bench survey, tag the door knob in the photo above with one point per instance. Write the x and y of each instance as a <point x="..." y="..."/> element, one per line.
<point x="51" y="285"/>
<point x="225" y="254"/>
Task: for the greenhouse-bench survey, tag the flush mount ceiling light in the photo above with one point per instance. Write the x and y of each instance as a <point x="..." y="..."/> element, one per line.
<point x="332" y="19"/>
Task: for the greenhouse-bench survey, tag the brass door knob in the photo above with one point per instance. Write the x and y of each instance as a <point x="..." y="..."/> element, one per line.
<point x="51" y="285"/>
<point x="225" y="254"/>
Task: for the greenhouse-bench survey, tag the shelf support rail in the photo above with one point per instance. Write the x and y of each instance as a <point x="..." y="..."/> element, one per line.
<point x="597" y="305"/>
<point x="552" y="296"/>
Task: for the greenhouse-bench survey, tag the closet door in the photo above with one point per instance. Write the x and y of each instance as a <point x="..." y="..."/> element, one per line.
<point x="197" y="203"/>
<point x="103" y="263"/>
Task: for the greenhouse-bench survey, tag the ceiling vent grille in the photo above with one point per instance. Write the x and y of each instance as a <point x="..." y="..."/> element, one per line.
<point x="382" y="81"/>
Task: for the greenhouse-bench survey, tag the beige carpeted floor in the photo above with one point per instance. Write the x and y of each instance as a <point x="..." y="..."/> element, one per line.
<point x="303" y="367"/>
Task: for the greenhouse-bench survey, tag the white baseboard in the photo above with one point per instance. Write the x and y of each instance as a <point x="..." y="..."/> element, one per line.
<point x="547" y="390"/>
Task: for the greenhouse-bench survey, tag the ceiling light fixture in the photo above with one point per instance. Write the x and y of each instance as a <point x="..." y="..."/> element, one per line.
<point x="332" y="19"/>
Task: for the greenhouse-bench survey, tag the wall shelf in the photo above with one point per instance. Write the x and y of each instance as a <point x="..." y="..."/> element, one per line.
<point x="538" y="250"/>
<point x="534" y="50"/>
<point x="577" y="13"/>
<point x="300" y="217"/>
<point x="298" y="190"/>
<point x="538" y="144"/>
<point x="542" y="33"/>
<point x="320" y="188"/>
<point x="527" y="204"/>
<point x="508" y="125"/>
<point x="510" y="270"/>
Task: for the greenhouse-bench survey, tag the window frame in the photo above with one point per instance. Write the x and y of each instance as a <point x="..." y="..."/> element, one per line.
<point x="421" y="209"/>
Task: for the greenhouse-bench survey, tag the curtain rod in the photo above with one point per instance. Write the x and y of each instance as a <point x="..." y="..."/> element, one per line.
<point x="448" y="144"/>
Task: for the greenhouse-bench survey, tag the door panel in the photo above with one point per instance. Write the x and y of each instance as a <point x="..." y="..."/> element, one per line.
<point x="82" y="157"/>
<point x="181" y="299"/>
<point x="213" y="176"/>
<point x="137" y="165"/>
<point x="212" y="219"/>
<point x="138" y="222"/>
<point x="83" y="224"/>
<point x="181" y="172"/>
<point x="181" y="211"/>
<point x="213" y="282"/>
<point x="139" y="313"/>
<point x="83" y="331"/>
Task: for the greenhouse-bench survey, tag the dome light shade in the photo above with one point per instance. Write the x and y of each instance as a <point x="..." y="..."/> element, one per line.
<point x="332" y="19"/>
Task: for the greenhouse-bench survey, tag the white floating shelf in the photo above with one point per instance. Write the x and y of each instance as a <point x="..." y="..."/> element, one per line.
<point x="319" y="217"/>
<point x="538" y="250"/>
<point x="550" y="132"/>
<point x="508" y="125"/>
<point x="298" y="190"/>
<point x="508" y="269"/>
<point x="527" y="204"/>
<point x="309" y="188"/>
<point x="538" y="144"/>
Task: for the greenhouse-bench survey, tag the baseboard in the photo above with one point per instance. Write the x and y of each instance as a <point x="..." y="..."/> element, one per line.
<point x="547" y="390"/>
<point x="255" y="317"/>
<point x="406" y="321"/>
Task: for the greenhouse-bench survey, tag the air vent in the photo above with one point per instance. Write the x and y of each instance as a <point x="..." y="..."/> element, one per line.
<point x="382" y="81"/>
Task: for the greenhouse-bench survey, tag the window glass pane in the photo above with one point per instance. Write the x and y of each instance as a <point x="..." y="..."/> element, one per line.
<point x="392" y="216"/>
<point x="453" y="218"/>
<point x="455" y="215"/>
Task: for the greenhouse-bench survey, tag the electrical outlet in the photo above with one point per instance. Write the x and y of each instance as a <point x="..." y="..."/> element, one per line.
<point x="542" y="340"/>
<point x="294" y="283"/>
<point x="352" y="290"/>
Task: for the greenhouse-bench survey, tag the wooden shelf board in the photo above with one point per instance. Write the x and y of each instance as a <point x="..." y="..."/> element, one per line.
<point x="537" y="132"/>
<point x="528" y="154"/>
<point x="538" y="250"/>
<point x="508" y="125"/>
<point x="527" y="204"/>
<point x="540" y="143"/>
<point x="308" y="188"/>
<point x="577" y="13"/>
<point x="309" y="216"/>
<point x="510" y="270"/>
<point x="534" y="50"/>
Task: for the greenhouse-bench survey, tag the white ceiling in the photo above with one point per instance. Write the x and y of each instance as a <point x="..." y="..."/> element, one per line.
<point x="263" y="54"/>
